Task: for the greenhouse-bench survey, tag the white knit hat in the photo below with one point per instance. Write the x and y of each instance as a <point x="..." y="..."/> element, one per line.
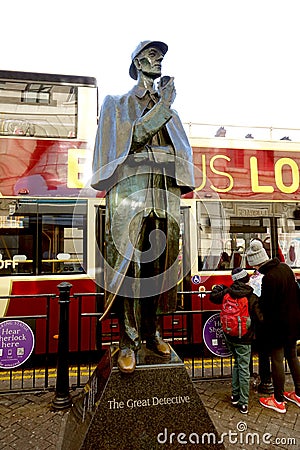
<point x="256" y="254"/>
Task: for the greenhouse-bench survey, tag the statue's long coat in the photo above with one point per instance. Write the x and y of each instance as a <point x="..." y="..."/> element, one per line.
<point x="111" y="172"/>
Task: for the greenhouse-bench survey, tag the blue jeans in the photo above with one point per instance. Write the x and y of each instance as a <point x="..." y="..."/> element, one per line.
<point x="241" y="370"/>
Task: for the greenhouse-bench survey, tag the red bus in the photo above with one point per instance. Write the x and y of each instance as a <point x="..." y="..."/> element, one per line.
<point x="51" y="221"/>
<point x="246" y="188"/>
<point x="47" y="129"/>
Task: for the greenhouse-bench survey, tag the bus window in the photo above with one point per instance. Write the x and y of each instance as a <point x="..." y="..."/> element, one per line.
<point x="38" y="109"/>
<point x="225" y="229"/>
<point x="241" y="232"/>
<point x="289" y="236"/>
<point x="62" y="243"/>
<point x="223" y="238"/>
<point x="16" y="245"/>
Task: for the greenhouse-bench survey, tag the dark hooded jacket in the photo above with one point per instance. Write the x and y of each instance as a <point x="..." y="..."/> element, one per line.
<point x="237" y="290"/>
<point x="280" y="303"/>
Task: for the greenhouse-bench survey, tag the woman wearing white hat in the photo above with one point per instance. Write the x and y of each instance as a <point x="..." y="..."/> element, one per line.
<point x="281" y="310"/>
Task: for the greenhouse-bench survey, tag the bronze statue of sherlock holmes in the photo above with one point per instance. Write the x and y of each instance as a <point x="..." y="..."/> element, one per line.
<point x="142" y="158"/>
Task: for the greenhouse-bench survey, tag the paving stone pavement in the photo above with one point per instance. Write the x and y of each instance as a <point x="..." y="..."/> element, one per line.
<point x="249" y="431"/>
<point x="28" y="422"/>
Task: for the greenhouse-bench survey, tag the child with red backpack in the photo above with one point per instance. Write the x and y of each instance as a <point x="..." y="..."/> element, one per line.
<point x="239" y="313"/>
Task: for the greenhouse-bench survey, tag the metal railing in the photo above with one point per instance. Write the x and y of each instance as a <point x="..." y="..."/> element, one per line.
<point x="233" y="131"/>
<point x="31" y="376"/>
<point x="69" y="361"/>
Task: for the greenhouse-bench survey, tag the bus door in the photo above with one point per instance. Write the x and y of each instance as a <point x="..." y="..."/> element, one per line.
<point x="100" y="247"/>
<point x="107" y="331"/>
<point x="173" y="326"/>
<point x="179" y="326"/>
<point x="184" y="273"/>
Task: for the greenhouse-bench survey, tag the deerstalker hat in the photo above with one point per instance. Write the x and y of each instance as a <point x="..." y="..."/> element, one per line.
<point x="142" y="46"/>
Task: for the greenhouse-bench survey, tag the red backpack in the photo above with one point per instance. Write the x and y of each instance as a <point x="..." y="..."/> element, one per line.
<point x="235" y="318"/>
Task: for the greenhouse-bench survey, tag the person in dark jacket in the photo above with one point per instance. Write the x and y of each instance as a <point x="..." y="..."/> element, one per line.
<point x="240" y="347"/>
<point x="281" y="310"/>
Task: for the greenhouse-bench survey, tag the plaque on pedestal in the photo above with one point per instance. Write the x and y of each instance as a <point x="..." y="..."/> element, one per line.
<point x="155" y="407"/>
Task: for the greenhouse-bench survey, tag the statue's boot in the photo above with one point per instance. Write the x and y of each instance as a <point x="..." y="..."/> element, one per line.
<point x="159" y="346"/>
<point x="126" y="360"/>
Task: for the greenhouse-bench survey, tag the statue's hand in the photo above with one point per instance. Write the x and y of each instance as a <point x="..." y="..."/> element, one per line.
<point x="167" y="90"/>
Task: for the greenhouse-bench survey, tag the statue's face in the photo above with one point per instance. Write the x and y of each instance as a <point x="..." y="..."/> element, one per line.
<point x="149" y="62"/>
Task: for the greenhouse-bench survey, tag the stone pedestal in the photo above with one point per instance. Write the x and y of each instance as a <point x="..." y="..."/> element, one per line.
<point x="156" y="407"/>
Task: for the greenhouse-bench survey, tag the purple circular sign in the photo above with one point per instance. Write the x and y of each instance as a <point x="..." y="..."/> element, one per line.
<point x="214" y="337"/>
<point x="16" y="343"/>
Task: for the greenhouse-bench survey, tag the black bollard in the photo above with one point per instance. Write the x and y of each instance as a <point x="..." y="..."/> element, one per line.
<point x="62" y="398"/>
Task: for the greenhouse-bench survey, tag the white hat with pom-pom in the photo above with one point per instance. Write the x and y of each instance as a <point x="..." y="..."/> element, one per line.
<point x="256" y="254"/>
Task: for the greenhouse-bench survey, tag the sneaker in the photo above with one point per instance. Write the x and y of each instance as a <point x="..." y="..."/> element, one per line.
<point x="292" y="397"/>
<point x="243" y="409"/>
<point x="234" y="399"/>
<point x="270" y="402"/>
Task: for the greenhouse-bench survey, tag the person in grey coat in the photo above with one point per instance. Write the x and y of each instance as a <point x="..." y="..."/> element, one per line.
<point x="143" y="159"/>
